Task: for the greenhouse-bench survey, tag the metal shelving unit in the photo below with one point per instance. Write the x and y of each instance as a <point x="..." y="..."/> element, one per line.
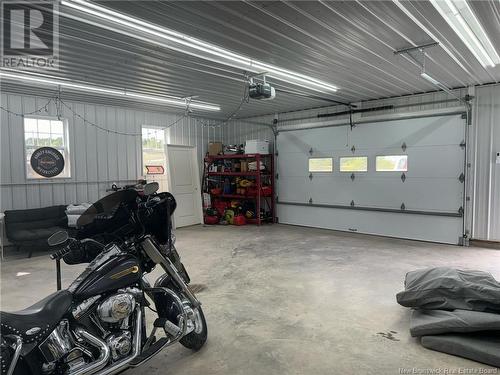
<point x="258" y="175"/>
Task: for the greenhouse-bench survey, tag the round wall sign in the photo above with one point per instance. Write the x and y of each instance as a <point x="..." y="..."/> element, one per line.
<point x="47" y="162"/>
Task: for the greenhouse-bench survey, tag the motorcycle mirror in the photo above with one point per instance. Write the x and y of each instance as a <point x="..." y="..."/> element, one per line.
<point x="58" y="238"/>
<point x="151" y="188"/>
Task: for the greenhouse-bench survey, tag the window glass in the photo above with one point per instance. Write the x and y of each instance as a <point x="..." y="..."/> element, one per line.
<point x="30" y="125"/>
<point x="391" y="163"/>
<point x="354" y="164"/>
<point x="321" y="165"/>
<point x="154" y="155"/>
<point x="56" y="127"/>
<point x="43" y="132"/>
<point x="153" y="147"/>
<point x="43" y="126"/>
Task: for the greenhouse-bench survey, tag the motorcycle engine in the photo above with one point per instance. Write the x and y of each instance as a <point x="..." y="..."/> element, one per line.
<point x="116" y="308"/>
<point x="120" y="344"/>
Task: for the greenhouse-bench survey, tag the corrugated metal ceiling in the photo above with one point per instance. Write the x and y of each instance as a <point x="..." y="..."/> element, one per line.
<point x="349" y="44"/>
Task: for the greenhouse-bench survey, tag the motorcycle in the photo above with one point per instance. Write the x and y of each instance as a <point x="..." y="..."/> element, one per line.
<point x="98" y="325"/>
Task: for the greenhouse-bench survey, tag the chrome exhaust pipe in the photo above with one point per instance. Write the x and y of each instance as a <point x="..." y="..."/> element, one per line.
<point x="103" y="359"/>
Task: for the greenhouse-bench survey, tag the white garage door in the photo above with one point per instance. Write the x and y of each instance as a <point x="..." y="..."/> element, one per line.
<point x="406" y="181"/>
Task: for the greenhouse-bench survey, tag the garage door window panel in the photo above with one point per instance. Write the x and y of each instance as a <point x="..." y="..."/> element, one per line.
<point x="423" y="162"/>
<point x="354" y="164"/>
<point x="391" y="163"/>
<point x="320" y="165"/>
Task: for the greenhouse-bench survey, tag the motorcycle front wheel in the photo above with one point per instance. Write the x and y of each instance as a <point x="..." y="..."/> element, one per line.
<point x="197" y="338"/>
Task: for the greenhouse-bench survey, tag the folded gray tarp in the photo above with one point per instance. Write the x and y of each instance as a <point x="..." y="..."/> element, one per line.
<point x="435" y="322"/>
<point x="449" y="289"/>
<point x="456" y="312"/>
<point x="478" y="347"/>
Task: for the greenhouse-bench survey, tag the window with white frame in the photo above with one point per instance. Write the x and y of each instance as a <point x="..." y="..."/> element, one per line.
<point x="46" y="132"/>
<point x="154" y="159"/>
<point x="153" y="147"/>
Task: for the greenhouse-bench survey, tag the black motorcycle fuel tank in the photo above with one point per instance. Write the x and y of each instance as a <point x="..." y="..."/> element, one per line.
<point x="116" y="272"/>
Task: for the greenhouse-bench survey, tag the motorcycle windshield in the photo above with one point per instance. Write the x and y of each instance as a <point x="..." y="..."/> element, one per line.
<point x="106" y="206"/>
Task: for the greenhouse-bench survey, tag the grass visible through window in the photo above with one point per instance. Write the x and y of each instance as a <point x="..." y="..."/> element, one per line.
<point x="354" y="164"/>
<point x="321" y="165"/>
<point x="392" y="163"/>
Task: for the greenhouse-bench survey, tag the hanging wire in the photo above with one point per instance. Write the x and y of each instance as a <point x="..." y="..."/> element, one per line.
<point x="59" y="103"/>
<point x="244" y="99"/>
<point x="44" y="108"/>
<point x="115" y="131"/>
<point x="208" y="124"/>
<point x="85" y="121"/>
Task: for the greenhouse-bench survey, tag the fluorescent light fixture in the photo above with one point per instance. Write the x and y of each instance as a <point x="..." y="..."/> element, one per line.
<point x="461" y="18"/>
<point x="435" y="82"/>
<point x="172" y="101"/>
<point x="427" y="77"/>
<point x="190" y="45"/>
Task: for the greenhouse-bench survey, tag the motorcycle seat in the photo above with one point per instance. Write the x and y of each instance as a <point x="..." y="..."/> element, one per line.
<point x="37" y="321"/>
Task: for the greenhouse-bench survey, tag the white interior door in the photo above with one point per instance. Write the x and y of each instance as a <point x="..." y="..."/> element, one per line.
<point x="423" y="202"/>
<point x="184" y="183"/>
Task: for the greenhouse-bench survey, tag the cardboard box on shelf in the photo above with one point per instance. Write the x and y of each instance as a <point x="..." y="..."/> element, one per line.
<point x="214" y="148"/>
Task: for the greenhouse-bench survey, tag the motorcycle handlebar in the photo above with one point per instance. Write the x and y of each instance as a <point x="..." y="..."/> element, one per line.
<point x="59" y="254"/>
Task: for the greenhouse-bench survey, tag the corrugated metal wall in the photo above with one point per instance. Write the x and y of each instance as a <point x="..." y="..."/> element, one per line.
<point x="484" y="142"/>
<point x="98" y="158"/>
<point x="486" y="218"/>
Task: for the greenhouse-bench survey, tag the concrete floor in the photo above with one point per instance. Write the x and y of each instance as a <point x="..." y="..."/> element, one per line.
<point x="289" y="300"/>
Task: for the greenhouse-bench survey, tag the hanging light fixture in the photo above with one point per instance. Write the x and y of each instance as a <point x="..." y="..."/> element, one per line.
<point x="54" y="81"/>
<point x="461" y="18"/>
<point x="184" y="43"/>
